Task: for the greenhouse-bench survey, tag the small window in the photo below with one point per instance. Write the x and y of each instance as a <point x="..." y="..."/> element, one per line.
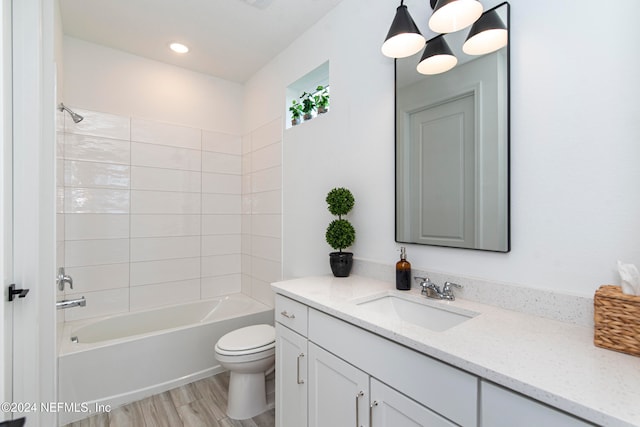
<point x="308" y="96"/>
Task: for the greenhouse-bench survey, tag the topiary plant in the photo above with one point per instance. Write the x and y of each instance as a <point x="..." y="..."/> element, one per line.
<point x="340" y="233"/>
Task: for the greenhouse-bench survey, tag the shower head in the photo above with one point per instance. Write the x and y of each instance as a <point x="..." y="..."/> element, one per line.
<point x="77" y="118"/>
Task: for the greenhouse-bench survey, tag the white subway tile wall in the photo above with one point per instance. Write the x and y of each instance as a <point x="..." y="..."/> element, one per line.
<point x="152" y="214"/>
<point x="262" y="210"/>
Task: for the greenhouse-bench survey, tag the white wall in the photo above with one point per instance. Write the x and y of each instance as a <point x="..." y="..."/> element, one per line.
<point x="102" y="79"/>
<point x="262" y="210"/>
<point x="574" y="138"/>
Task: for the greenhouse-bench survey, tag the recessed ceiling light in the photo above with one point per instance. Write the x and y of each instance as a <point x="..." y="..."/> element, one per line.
<point x="179" y="48"/>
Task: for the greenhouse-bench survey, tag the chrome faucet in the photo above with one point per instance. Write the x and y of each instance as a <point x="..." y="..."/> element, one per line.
<point x="431" y="290"/>
<point x="68" y="303"/>
<point x="63" y="278"/>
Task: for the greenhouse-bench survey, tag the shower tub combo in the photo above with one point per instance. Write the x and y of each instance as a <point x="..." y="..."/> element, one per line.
<point x="123" y="358"/>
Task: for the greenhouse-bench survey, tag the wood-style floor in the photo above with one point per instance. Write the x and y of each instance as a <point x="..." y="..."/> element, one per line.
<point x="199" y="404"/>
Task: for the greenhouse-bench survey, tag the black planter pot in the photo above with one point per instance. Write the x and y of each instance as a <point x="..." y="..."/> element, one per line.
<point x="341" y="263"/>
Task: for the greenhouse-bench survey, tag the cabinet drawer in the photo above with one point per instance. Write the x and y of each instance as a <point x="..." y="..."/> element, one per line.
<point x="291" y="314"/>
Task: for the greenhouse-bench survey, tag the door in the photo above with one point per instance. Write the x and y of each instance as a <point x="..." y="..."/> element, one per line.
<point x="28" y="208"/>
<point x="338" y="391"/>
<point x="390" y="408"/>
<point x="442" y="178"/>
<point x="291" y="378"/>
<point x="6" y="212"/>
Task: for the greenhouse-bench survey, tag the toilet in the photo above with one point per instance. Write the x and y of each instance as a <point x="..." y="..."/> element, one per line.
<point x="249" y="354"/>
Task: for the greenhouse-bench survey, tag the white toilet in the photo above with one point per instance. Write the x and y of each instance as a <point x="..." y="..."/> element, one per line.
<point x="249" y="354"/>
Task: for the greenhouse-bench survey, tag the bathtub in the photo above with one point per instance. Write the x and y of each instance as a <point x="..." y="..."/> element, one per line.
<point x="123" y="358"/>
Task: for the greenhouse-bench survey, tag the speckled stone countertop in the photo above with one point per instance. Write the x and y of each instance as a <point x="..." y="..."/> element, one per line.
<point x="551" y="361"/>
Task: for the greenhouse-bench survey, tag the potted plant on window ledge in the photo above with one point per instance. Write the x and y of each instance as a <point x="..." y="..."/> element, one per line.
<point x="340" y="233"/>
<point x="308" y="105"/>
<point x="296" y="112"/>
<point x="322" y="99"/>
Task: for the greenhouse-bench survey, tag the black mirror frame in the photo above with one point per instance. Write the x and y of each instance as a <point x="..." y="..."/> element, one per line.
<point x="508" y="147"/>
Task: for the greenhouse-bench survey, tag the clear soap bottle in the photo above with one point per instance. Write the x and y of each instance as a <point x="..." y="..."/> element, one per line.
<point x="403" y="272"/>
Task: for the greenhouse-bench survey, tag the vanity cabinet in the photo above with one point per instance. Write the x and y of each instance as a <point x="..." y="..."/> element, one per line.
<point x="332" y="373"/>
<point x="319" y="385"/>
<point x="437" y="388"/>
<point x="291" y="363"/>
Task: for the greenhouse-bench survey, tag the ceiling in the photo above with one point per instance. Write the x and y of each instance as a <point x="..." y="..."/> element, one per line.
<point x="229" y="39"/>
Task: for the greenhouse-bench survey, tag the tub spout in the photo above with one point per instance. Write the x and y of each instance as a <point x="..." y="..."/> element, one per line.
<point x="68" y="303"/>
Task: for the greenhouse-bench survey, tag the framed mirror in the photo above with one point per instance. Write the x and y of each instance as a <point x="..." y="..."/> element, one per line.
<point x="452" y="149"/>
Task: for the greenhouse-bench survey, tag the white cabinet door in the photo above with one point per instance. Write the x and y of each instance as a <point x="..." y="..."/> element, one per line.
<point x="338" y="392"/>
<point x="291" y="378"/>
<point x="503" y="408"/>
<point x="392" y="409"/>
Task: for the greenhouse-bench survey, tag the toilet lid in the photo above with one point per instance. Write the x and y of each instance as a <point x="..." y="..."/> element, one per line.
<point x="250" y="337"/>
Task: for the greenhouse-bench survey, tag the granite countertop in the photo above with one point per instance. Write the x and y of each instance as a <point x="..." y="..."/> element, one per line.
<point x="551" y="361"/>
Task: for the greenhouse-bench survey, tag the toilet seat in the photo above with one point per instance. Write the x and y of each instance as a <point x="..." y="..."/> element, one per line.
<point x="249" y="340"/>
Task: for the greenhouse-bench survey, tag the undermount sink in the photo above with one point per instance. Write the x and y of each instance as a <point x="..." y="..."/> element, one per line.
<point x="416" y="312"/>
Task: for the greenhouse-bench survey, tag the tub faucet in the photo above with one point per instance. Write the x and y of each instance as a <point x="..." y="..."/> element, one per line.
<point x="68" y="303"/>
<point x="431" y="290"/>
<point x="63" y="278"/>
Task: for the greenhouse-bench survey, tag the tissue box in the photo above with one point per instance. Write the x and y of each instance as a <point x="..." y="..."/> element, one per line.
<point x="616" y="320"/>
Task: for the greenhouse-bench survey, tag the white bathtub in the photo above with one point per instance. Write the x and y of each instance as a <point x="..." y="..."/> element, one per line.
<point x="123" y="358"/>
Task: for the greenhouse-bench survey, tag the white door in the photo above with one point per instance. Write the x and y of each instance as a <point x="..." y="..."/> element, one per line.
<point x="392" y="409"/>
<point x="6" y="212"/>
<point x="28" y="209"/>
<point x="338" y="391"/>
<point x="291" y="378"/>
<point x="442" y="178"/>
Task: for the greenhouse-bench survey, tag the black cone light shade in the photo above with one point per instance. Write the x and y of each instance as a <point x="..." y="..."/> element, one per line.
<point x="487" y="34"/>
<point x="437" y="57"/>
<point x="453" y="15"/>
<point x="404" y="38"/>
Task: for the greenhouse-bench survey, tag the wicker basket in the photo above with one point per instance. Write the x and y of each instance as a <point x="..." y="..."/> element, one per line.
<point x="617" y="320"/>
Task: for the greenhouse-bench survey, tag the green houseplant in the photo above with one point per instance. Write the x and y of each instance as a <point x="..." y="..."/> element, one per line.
<point x="340" y="233"/>
<point x="308" y="105"/>
<point x="296" y="112"/>
<point x="321" y="99"/>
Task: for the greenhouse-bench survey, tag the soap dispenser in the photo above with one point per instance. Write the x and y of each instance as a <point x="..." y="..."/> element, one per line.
<point x="403" y="272"/>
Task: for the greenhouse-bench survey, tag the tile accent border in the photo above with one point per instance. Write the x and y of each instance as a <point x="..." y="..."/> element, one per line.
<point x="538" y="302"/>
